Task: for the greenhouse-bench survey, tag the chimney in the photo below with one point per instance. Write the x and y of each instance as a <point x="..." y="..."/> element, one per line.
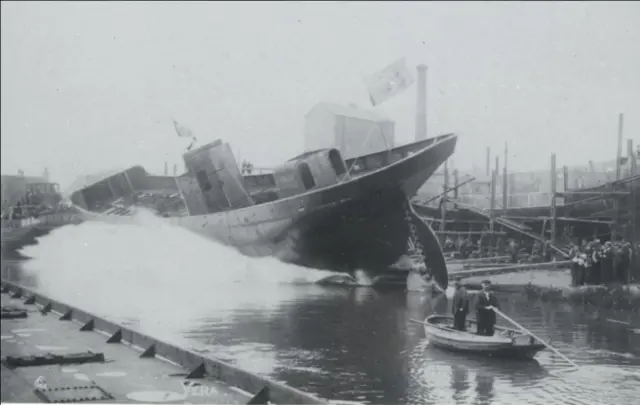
<point x="421" y="107"/>
<point x="45" y="174"/>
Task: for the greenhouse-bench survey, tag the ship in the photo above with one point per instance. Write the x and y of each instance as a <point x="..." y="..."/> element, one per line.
<point x="316" y="210"/>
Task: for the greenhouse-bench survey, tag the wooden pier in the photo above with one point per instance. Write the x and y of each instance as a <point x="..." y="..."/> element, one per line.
<point x="607" y="211"/>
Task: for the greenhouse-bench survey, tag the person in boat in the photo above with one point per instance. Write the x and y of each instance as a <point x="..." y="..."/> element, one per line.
<point x="460" y="307"/>
<point x="485" y="315"/>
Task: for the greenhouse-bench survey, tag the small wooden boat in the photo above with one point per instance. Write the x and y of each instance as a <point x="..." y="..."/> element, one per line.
<point x="505" y="343"/>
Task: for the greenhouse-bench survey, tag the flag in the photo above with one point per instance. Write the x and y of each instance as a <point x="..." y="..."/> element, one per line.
<point x="182" y="131"/>
<point x="388" y="82"/>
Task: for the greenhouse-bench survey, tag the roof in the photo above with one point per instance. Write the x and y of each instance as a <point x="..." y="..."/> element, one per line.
<point x="91" y="179"/>
<point x="348" y="111"/>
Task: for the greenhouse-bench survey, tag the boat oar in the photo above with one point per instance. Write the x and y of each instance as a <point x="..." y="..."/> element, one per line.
<point x="528" y="332"/>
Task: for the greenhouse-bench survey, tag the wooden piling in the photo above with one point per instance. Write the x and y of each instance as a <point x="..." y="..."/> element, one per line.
<point x="619" y="153"/>
<point x="488" y="169"/>
<point x="505" y="182"/>
<point x="633" y="237"/>
<point x="456" y="183"/>
<point x="554" y="214"/>
<point x="494" y="175"/>
<point x="443" y="203"/>
<point x="616" y="201"/>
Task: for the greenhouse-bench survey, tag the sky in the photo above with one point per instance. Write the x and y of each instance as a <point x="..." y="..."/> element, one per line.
<point x="94" y="86"/>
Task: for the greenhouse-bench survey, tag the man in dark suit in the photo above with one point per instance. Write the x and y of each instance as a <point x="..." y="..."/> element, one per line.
<point x="460" y="307"/>
<point x="485" y="315"/>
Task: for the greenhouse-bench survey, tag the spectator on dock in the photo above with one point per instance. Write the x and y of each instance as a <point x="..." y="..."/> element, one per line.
<point x="606" y="263"/>
<point x="513" y="250"/>
<point x="582" y="268"/>
<point x="460" y="305"/>
<point x="623" y="262"/>
<point x="596" y="269"/>
<point x="588" y="265"/>
<point x="574" y="255"/>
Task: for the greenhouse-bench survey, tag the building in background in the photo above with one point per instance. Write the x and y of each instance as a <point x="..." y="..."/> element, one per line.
<point x="354" y="132"/>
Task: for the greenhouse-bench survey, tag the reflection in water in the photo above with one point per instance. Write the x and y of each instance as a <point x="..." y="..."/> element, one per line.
<point x="349" y="343"/>
<point x="484" y="388"/>
<point x="459" y="382"/>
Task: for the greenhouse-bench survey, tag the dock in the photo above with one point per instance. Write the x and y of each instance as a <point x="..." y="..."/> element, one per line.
<point x="52" y="352"/>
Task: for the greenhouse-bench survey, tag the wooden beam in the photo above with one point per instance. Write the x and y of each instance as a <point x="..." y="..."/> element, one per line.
<point x="598" y="193"/>
<point x="563" y="219"/>
<point x="451" y="189"/>
<point x="486" y="233"/>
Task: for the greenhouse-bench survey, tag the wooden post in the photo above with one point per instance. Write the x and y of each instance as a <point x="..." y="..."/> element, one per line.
<point x="456" y="183"/>
<point x="488" y="161"/>
<point x="443" y="204"/>
<point x="616" y="201"/>
<point x="619" y="153"/>
<point x="554" y="214"/>
<point x="633" y="270"/>
<point x="494" y="175"/>
<point x="505" y="182"/>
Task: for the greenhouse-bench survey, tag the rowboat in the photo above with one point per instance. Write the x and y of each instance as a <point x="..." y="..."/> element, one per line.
<point x="505" y="343"/>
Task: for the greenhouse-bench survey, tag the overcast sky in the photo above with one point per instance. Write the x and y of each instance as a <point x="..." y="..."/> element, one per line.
<point x="94" y="86"/>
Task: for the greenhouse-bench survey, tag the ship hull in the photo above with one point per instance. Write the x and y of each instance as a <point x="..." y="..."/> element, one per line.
<point x="361" y="224"/>
<point x="358" y="224"/>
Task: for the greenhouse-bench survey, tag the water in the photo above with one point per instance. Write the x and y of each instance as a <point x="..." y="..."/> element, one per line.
<point x="338" y="342"/>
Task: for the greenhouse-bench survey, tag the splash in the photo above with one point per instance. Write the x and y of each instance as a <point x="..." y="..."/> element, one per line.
<point x="112" y="267"/>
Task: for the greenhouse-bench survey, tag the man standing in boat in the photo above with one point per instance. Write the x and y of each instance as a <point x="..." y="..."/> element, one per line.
<point x="460" y="307"/>
<point x="485" y="315"/>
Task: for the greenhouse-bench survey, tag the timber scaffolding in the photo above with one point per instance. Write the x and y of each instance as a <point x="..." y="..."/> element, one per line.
<point x="577" y="212"/>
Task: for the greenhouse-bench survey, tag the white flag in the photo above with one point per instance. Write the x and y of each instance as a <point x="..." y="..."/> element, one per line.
<point x="388" y="82"/>
<point x="183" y="132"/>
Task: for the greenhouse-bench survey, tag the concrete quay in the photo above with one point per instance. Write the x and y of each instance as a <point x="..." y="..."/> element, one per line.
<point x="55" y="353"/>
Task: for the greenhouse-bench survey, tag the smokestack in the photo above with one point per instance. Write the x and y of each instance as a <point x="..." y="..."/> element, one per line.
<point x="175" y="170"/>
<point x="166" y="168"/>
<point x="421" y="107"/>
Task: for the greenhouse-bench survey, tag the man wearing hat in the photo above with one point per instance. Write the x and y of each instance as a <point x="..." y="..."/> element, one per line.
<point x="485" y="315"/>
<point x="460" y="307"/>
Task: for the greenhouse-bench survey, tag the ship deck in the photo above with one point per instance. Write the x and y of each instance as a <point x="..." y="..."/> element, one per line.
<point x="126" y="373"/>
